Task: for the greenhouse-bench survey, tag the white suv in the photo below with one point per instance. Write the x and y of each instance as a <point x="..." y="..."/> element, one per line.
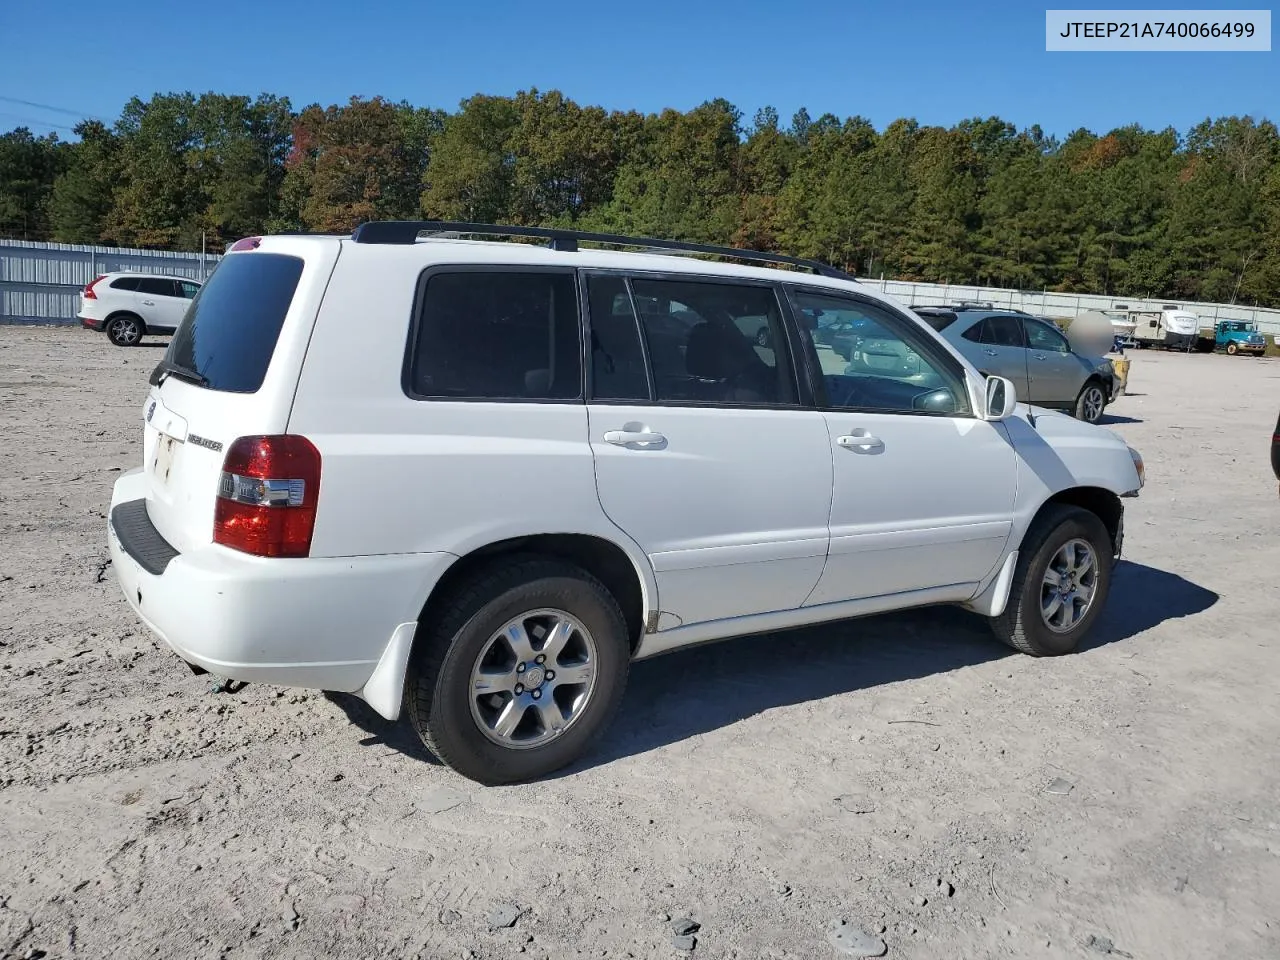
<point x="129" y="305"/>
<point x="476" y="479"/>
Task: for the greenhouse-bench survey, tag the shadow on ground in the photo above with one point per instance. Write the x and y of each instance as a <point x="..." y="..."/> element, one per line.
<point x="684" y="694"/>
<point x="1109" y="418"/>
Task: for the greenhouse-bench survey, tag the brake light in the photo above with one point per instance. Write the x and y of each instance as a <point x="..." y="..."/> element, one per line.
<point x="267" y="496"/>
<point x="247" y="243"/>
<point x="88" y="289"/>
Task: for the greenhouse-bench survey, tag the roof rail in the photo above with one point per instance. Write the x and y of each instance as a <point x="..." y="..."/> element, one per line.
<point x="407" y="231"/>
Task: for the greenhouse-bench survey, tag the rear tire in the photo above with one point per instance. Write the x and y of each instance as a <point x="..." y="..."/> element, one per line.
<point x="469" y="639"/>
<point x="1091" y="403"/>
<point x="125" y="330"/>
<point x="1025" y="625"/>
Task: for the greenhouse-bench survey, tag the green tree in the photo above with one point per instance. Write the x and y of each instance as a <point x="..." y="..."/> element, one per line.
<point x="84" y="193"/>
<point x="28" y="167"/>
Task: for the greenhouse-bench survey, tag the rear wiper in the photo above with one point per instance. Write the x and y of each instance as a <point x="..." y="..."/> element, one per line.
<point x="166" y="367"/>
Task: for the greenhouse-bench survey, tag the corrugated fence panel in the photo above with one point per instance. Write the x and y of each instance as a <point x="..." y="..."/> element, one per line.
<point x="41" y="282"/>
<point x="1066" y="304"/>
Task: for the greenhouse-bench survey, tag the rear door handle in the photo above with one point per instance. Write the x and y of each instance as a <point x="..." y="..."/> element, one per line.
<point x="859" y="440"/>
<point x="636" y="439"/>
<point x="989" y="353"/>
<point x="148" y="303"/>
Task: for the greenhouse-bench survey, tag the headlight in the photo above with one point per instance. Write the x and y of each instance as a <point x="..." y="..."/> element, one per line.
<point x="1139" y="466"/>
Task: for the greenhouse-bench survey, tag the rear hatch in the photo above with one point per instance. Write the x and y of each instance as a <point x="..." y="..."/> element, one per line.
<point x="230" y="371"/>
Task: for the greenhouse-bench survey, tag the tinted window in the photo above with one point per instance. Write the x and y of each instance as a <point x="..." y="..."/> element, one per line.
<point x="1002" y="332"/>
<point x="975" y="333"/>
<point x="617" y="362"/>
<point x="938" y="320"/>
<point x="156" y="286"/>
<point x="893" y="366"/>
<point x="499" y="336"/>
<point x="229" y="333"/>
<point x="714" y="342"/>
<point x="1040" y="336"/>
<point x="187" y="290"/>
<point x="125" y="283"/>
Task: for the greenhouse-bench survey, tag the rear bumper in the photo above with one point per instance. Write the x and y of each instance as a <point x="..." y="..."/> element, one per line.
<point x="93" y="323"/>
<point x="322" y="623"/>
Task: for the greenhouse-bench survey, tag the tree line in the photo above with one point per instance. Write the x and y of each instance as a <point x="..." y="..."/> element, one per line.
<point x="1132" y="212"/>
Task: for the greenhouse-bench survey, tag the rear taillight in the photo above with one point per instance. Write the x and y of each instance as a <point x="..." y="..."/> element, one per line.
<point x="267" y="496"/>
<point x="88" y="289"/>
<point x="245" y="243"/>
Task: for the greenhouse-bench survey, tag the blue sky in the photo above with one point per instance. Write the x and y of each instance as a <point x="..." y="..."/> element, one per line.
<point x="939" y="62"/>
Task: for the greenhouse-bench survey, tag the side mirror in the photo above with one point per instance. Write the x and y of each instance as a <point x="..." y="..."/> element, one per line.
<point x="1001" y="398"/>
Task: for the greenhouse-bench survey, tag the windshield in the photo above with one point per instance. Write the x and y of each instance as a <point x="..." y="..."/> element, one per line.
<point x="228" y="336"/>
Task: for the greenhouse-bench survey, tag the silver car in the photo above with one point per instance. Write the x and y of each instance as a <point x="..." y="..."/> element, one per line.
<point x="1032" y="353"/>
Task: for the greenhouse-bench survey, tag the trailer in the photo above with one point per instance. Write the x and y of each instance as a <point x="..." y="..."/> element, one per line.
<point x="1169" y="327"/>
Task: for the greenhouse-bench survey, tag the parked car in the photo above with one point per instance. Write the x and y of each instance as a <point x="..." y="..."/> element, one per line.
<point x="1031" y="352"/>
<point x="512" y="490"/>
<point x="128" y="306"/>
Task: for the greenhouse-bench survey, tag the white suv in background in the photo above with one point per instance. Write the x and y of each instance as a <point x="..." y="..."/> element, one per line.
<point x="129" y="305"/>
<point x="539" y="463"/>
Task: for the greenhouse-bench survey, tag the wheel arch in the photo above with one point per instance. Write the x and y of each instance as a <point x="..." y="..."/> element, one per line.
<point x="1097" y="500"/>
<point x="607" y="561"/>
<point x="116" y="314"/>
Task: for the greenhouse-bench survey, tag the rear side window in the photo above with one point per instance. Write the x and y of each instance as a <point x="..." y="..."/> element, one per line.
<point x="1003" y="332"/>
<point x="617" y="360"/>
<point x="156" y="286"/>
<point x="497" y="335"/>
<point x="711" y="342"/>
<point x="938" y="320"/>
<point x="229" y="332"/>
<point x="125" y="283"/>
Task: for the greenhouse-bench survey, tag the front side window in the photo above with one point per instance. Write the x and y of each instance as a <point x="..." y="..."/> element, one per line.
<point x="188" y="290"/>
<point x="1041" y="336"/>
<point x="497" y="335"/>
<point x="713" y="342"/>
<point x="893" y="366"/>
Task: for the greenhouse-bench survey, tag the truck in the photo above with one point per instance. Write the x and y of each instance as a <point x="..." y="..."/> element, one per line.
<point x="1237" y="336"/>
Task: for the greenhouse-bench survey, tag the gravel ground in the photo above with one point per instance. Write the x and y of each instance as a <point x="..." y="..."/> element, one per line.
<point x="905" y="774"/>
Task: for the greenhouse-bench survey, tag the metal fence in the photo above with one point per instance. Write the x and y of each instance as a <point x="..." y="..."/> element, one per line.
<point x="1051" y="304"/>
<point x="41" y="282"/>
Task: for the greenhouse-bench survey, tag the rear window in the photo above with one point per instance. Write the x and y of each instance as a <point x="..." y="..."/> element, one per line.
<point x="125" y="283"/>
<point x="229" y="332"/>
<point x="497" y="335"/>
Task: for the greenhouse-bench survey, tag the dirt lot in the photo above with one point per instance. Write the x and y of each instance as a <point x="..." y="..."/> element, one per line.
<point x="905" y="773"/>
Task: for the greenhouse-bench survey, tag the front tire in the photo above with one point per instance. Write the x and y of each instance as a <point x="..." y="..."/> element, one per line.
<point x="1233" y="349"/>
<point x="1091" y="403"/>
<point x="1060" y="584"/>
<point x="522" y="670"/>
<point x="125" y="331"/>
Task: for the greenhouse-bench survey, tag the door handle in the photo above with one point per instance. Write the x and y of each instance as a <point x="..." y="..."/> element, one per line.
<point x="148" y="303"/>
<point x="989" y="353"/>
<point x="636" y="439"/>
<point x="859" y="440"/>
